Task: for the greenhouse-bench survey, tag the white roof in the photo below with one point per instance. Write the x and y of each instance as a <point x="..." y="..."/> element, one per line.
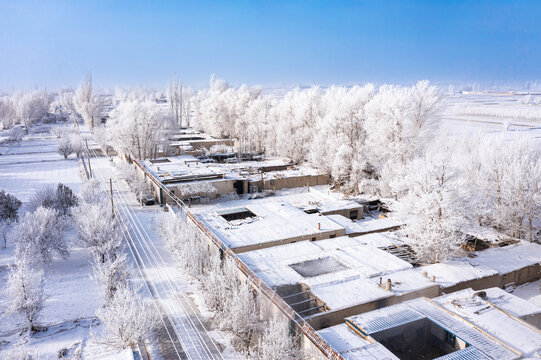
<point x="353" y="347"/>
<point x="509" y="329"/>
<point x="509" y="258"/>
<point x="487" y="262"/>
<point x="358" y="259"/>
<point x="455" y="271"/>
<point x="275" y="221"/>
<point x="499" y="297"/>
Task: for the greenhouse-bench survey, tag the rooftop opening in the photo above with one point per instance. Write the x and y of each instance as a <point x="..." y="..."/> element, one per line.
<point x="160" y="161"/>
<point x="236" y="214"/>
<point x="420" y="339"/>
<point x="316" y="267"/>
<point x="403" y="252"/>
<point x="311" y="211"/>
<point x="187" y="138"/>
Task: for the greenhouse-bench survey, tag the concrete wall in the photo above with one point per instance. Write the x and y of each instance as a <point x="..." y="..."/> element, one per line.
<point x="335" y="317"/>
<point x="522" y="276"/>
<point x="346" y="212"/>
<point x="518" y="277"/>
<point x="313" y="237"/>
<point x="475" y="284"/>
<point x="208" y="143"/>
<point x="290" y="182"/>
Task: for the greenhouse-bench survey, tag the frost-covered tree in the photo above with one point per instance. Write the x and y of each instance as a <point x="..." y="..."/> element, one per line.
<point x="24" y="290"/>
<point x="242" y="316"/>
<point x="7" y="113"/>
<point x="233" y="302"/>
<point x="397" y="124"/>
<point x="103" y="138"/>
<point x="76" y="143"/>
<point x="295" y="117"/>
<point x="65" y="100"/>
<point x="31" y="107"/>
<point x="187" y="94"/>
<point x="338" y="145"/>
<point x="110" y="275"/>
<point x="221" y="109"/>
<point x="92" y="193"/>
<point x="9" y="211"/>
<point x="41" y="235"/>
<point x="175" y="100"/>
<point x="504" y="184"/>
<point x="137" y="184"/>
<point x="87" y="104"/>
<point x="65" y="148"/>
<point x="58" y="131"/>
<point x="127" y="319"/>
<point x="138" y="128"/>
<point x="258" y="134"/>
<point x="276" y="343"/>
<point x="430" y="207"/>
<point x="61" y="199"/>
<point x="15" y="134"/>
<point x="97" y="230"/>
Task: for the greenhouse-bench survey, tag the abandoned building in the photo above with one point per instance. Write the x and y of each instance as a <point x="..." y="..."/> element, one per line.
<point x="338" y="277"/>
<point x="226" y="178"/>
<point x="334" y="264"/>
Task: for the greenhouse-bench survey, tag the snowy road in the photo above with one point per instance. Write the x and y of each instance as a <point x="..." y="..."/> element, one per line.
<point x="182" y="334"/>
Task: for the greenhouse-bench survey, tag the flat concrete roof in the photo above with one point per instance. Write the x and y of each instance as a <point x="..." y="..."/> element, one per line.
<point x="274" y="222"/>
<point x="189" y="168"/>
<point x="356" y="282"/>
<point x="363" y="226"/>
<point x="500" y="260"/>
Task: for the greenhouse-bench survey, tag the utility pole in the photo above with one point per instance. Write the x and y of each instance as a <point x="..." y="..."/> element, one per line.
<point x="112" y="202"/>
<point x="88" y="154"/>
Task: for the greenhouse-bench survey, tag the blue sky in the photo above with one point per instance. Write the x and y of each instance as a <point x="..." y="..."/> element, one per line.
<point x="270" y="43"/>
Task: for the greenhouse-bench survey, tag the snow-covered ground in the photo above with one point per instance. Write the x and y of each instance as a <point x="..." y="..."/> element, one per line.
<point x="72" y="298"/>
<point x="33" y="163"/>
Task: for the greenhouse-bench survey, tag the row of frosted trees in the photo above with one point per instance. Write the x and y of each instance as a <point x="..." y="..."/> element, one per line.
<point x="349" y="133"/>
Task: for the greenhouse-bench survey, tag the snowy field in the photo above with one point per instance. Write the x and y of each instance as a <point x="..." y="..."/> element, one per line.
<point x="33" y="163"/>
<point x="494" y="114"/>
<point x="72" y="298"/>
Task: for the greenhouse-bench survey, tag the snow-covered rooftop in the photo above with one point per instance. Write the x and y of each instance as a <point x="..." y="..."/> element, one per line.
<point x="496" y="296"/>
<point x="499" y="260"/>
<point x="494" y="315"/>
<point x="363" y="226"/>
<point x="273" y="264"/>
<point x="353" y="347"/>
<point x="274" y="221"/>
<point x="189" y="168"/>
<point x="355" y="282"/>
